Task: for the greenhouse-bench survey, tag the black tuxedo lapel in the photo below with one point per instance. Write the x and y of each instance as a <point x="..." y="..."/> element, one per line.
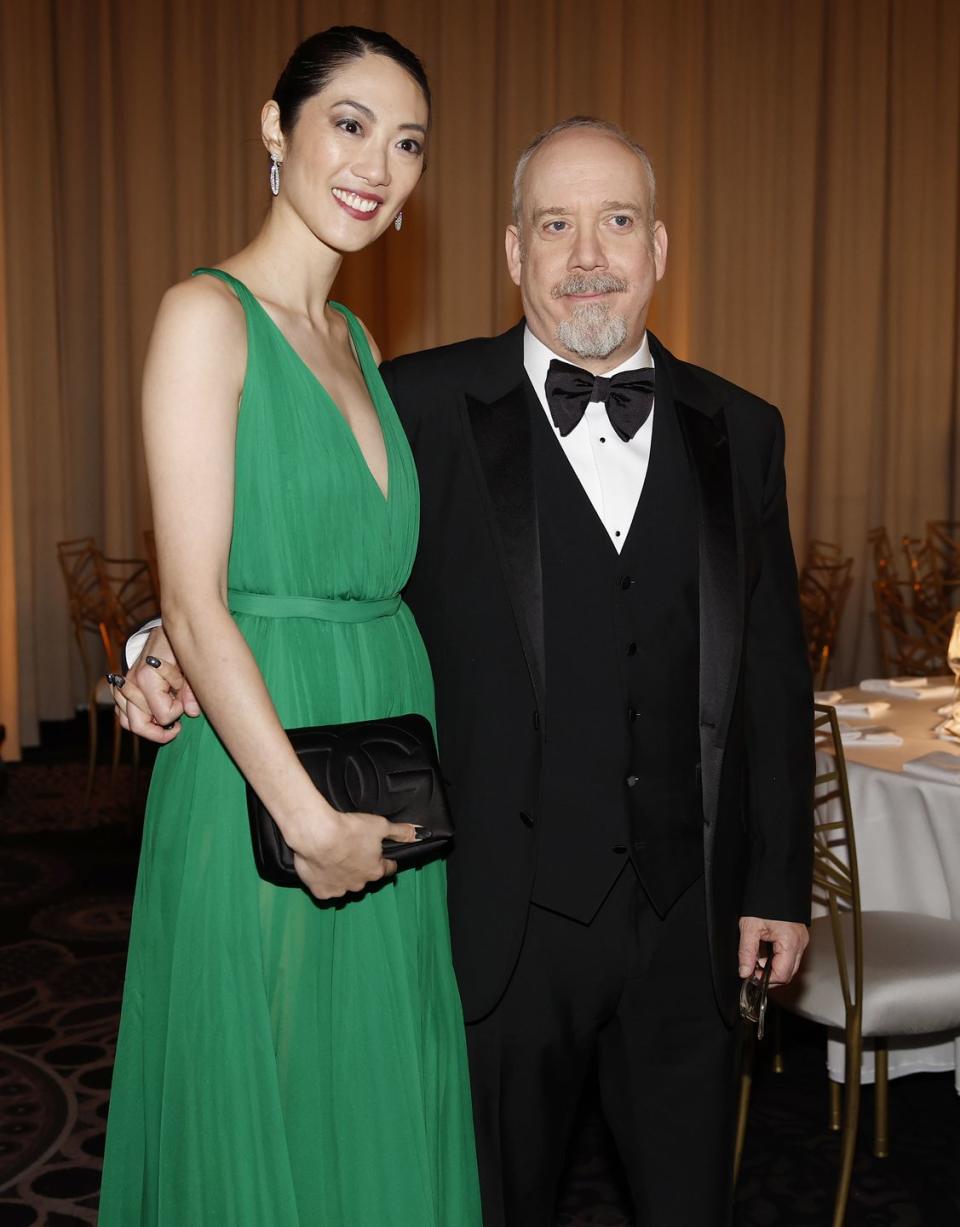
<point x="721" y="584"/>
<point x="501" y="433"/>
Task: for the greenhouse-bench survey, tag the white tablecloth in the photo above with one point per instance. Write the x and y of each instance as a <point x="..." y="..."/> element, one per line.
<point x="908" y="850"/>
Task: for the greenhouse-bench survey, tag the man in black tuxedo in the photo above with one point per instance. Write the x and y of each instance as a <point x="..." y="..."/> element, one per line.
<point x="606" y="587"/>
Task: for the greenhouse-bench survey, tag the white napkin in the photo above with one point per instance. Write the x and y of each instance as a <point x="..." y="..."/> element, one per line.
<point x="863" y="711"/>
<point x="869" y="735"/>
<point x="937" y="765"/>
<point x="907" y="687"/>
<point x="828" y="697"/>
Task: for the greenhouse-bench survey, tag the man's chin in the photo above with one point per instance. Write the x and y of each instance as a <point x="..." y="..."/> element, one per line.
<point x="591" y="341"/>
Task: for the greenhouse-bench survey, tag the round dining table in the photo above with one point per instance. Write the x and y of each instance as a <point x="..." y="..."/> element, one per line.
<point x="907" y="830"/>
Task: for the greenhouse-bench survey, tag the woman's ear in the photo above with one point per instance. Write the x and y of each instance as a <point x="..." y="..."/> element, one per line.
<point x="270" y="130"/>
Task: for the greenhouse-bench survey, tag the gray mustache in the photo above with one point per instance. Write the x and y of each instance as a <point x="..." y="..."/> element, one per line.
<point x="578" y="283"/>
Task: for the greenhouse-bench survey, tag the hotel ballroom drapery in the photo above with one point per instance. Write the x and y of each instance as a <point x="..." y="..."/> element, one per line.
<point x="808" y="159"/>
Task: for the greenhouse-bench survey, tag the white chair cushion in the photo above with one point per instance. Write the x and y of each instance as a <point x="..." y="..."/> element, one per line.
<point x="911" y="974"/>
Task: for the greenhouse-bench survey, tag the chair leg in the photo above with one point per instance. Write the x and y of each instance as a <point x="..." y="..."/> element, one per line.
<point x="836" y="1106"/>
<point x="851" y="1119"/>
<point x="881" y="1111"/>
<point x="743" y="1104"/>
<point x="117" y="735"/>
<point x="777" y="1063"/>
<point x="92" y="746"/>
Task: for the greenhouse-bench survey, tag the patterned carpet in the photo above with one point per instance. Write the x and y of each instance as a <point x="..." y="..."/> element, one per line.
<point x="66" y="881"/>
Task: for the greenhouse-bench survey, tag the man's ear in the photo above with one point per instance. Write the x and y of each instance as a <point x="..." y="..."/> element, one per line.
<point x="660" y="248"/>
<point x="514" y="249"/>
<point x="270" y="131"/>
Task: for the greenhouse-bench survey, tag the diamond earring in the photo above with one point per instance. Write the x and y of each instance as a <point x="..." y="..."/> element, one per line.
<point x="274" y="174"/>
<point x="398" y="220"/>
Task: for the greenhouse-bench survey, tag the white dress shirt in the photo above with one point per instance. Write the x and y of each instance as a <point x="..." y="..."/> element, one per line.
<point x="611" y="471"/>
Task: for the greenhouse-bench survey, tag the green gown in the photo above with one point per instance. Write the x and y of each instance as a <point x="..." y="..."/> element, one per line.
<point x="280" y="1063"/>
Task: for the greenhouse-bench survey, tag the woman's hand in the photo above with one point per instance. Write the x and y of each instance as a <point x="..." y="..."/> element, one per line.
<point x="335" y="854"/>
<point x="154" y="696"/>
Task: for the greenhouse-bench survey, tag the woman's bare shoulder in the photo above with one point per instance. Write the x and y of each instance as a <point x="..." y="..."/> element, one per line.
<point x="201" y="321"/>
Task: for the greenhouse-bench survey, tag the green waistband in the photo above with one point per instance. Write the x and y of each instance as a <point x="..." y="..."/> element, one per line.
<point x="264" y="606"/>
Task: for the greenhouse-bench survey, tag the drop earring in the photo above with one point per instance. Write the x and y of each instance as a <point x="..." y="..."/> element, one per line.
<point x="398" y="220"/>
<point x="274" y="174"/>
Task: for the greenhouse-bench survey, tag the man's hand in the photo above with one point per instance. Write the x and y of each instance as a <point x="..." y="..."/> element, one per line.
<point x="155" y="696"/>
<point x="788" y="941"/>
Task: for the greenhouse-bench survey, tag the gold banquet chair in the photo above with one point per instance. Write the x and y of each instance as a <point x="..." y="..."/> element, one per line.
<point x="872" y="975"/>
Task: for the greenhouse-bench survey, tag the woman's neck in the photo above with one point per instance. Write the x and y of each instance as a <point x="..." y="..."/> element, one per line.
<point x="293" y="267"/>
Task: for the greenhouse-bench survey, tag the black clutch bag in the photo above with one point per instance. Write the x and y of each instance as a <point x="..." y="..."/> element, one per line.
<point x="386" y="767"/>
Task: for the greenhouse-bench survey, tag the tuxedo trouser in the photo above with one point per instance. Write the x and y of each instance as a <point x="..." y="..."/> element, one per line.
<point x="632" y="992"/>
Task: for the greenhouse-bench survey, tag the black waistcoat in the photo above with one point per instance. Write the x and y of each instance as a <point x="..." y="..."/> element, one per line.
<point x="621" y="767"/>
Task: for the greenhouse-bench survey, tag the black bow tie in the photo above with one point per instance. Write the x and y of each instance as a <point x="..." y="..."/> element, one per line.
<point x="628" y="397"/>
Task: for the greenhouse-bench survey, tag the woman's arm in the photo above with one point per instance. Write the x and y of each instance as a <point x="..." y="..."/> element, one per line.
<point x="192" y="383"/>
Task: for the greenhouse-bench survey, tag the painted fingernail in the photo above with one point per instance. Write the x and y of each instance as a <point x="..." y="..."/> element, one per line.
<point x="116" y="679"/>
<point x="153" y="662"/>
<point x="171" y="725"/>
<point x="423" y="832"/>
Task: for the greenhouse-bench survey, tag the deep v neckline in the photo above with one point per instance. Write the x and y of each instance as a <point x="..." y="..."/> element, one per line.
<point x="355" y="344"/>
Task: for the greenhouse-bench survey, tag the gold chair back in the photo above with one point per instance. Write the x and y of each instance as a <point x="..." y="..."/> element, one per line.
<point x="824" y="587"/>
<point x="128" y="601"/>
<point x="821" y="553"/>
<point x="911" y="643"/>
<point x="78" y="565"/>
<point x="884" y="564"/>
<point x="943" y="540"/>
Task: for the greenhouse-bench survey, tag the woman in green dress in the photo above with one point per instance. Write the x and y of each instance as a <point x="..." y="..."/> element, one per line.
<point x="289" y="1057"/>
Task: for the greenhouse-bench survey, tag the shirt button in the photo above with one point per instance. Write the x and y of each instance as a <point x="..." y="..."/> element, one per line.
<point x="633" y="715"/>
<point x="631" y="649"/>
<point x="626" y="582"/>
<point x="632" y="780"/>
<point x="621" y="848"/>
<point x="526" y="819"/>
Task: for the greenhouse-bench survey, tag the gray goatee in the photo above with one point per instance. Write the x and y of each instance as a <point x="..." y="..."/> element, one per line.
<point x="592" y="331"/>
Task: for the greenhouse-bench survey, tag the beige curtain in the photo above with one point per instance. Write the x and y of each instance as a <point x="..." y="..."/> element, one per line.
<point x="807" y="153"/>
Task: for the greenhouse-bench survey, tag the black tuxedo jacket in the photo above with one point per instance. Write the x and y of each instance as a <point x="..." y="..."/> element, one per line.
<point x="476" y="591"/>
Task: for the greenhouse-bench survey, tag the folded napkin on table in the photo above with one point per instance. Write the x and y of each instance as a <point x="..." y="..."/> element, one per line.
<point x="863" y="711"/>
<point x="937" y="765"/>
<point x="869" y="735"/>
<point x="907" y="687"/>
